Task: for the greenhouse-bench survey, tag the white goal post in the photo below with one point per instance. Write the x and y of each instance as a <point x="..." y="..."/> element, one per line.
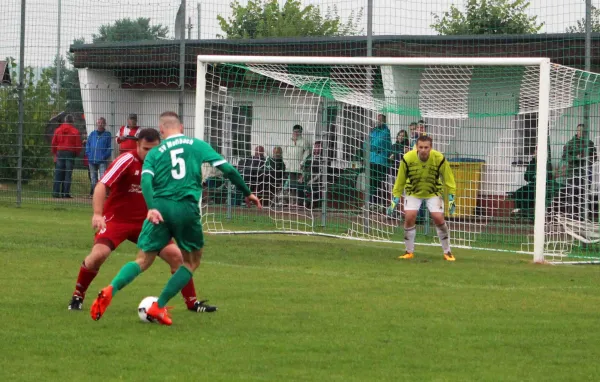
<point x="308" y="91"/>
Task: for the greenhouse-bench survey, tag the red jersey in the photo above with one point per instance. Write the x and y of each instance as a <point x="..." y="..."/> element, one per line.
<point x="126" y="145"/>
<point x="125" y="202"/>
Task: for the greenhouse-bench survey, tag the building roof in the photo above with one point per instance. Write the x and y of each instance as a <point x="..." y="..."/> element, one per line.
<point x="156" y="63"/>
<point x="4" y="73"/>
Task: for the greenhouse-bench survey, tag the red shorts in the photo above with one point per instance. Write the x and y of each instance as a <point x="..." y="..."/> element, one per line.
<point x="117" y="232"/>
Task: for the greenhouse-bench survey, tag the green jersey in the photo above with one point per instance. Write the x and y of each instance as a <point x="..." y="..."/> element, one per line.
<point x="422" y="179"/>
<point x="176" y="167"/>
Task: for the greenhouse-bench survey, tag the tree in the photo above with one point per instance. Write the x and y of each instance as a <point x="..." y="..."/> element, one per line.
<point x="580" y="26"/>
<point x="265" y="18"/>
<point x="39" y="102"/>
<point x="487" y="17"/>
<point x="69" y="98"/>
<point x="130" y="30"/>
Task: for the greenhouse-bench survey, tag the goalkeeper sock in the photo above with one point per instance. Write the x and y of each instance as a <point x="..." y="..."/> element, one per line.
<point x="409" y="238"/>
<point x="177" y="281"/>
<point x="84" y="279"/>
<point x="127" y="274"/>
<point x="444" y="235"/>
<point x="189" y="293"/>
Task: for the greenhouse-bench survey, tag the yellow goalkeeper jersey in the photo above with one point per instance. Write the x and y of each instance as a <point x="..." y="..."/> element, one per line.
<point x="422" y="179"/>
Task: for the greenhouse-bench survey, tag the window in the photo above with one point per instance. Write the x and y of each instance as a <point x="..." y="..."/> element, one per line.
<point x="355" y="121"/>
<point x="213" y="131"/>
<point x="241" y="131"/>
<point x="330" y="135"/>
<point x="525" y="137"/>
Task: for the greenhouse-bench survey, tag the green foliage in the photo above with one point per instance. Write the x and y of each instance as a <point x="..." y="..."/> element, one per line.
<point x="69" y="99"/>
<point x="130" y="30"/>
<point x="580" y="26"/>
<point x="265" y="18"/>
<point x="38" y="106"/>
<point x="487" y="17"/>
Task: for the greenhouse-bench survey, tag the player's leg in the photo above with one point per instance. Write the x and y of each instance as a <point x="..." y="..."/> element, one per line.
<point x="105" y="242"/>
<point x="171" y="254"/>
<point x="87" y="272"/>
<point x="187" y="231"/>
<point x="411" y="208"/>
<point x="151" y="240"/>
<point x="436" y="209"/>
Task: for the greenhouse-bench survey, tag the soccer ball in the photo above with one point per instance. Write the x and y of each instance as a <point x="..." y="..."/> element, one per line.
<point x="145" y="305"/>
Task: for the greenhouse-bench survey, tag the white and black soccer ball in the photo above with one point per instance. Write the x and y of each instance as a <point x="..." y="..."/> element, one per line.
<point x="144" y="306"/>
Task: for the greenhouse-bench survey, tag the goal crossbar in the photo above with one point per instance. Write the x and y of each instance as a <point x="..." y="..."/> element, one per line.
<point x="410" y="61"/>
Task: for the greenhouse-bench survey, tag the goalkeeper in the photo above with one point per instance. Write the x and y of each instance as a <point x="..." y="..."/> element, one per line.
<point x="419" y="175"/>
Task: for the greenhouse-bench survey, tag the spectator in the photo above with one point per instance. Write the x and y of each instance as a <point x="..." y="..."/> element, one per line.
<point x="98" y="150"/>
<point x="274" y="171"/>
<point x="524" y="197"/>
<point x="66" y="145"/>
<point x="419" y="130"/>
<point x="413" y="135"/>
<point x="86" y="164"/>
<point x="579" y="155"/>
<point x="127" y="137"/>
<point x="381" y="146"/>
<point x="399" y="147"/>
<point x="312" y="175"/>
<point x="295" y="153"/>
<point x="252" y="169"/>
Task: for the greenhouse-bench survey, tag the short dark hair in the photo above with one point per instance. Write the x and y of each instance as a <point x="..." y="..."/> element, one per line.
<point x="413" y="124"/>
<point x="170" y="114"/>
<point x="149" y="135"/>
<point x="383" y="118"/>
<point x="69" y="118"/>
<point x="297" y="128"/>
<point x="425" y="138"/>
<point x="421" y="121"/>
<point x="581" y="125"/>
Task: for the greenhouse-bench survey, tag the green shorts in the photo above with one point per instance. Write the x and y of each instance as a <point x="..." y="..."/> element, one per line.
<point x="181" y="222"/>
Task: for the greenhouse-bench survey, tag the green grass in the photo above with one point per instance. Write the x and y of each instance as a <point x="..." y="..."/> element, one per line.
<point x="294" y="308"/>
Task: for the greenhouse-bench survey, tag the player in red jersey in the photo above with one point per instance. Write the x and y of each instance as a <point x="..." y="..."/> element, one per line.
<point x="120" y="218"/>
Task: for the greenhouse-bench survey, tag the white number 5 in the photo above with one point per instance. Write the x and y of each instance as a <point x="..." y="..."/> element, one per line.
<point x="176" y="161"/>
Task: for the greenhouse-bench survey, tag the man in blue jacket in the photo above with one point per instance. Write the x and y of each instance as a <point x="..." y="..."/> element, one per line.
<point x="381" y="147"/>
<point x="98" y="150"/>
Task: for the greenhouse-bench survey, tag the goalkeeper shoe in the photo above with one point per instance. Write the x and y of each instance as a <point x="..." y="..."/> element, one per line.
<point x="76" y="303"/>
<point x="202" y="307"/>
<point x="449" y="257"/>
<point x="406" y="256"/>
<point x="160" y="315"/>
<point x="101" y="303"/>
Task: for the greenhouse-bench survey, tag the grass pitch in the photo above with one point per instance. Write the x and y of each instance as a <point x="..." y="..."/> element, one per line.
<point x="294" y="309"/>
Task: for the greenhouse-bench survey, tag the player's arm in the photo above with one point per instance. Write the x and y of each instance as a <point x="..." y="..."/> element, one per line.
<point x="448" y="177"/>
<point x="147" y="179"/>
<point x="400" y="179"/>
<point x="100" y="191"/>
<point x="398" y="186"/>
<point x="216" y="160"/>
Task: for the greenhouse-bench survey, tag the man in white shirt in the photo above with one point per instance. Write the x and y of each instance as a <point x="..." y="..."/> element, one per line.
<point x="295" y="152"/>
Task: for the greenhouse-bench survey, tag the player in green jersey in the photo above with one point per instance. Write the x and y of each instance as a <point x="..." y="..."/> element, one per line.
<point x="419" y="175"/>
<point x="172" y="187"/>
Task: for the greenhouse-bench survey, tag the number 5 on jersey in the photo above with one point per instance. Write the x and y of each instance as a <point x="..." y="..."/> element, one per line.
<point x="178" y="164"/>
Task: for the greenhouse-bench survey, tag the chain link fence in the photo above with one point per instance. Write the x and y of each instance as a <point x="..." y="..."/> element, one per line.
<point x="109" y="59"/>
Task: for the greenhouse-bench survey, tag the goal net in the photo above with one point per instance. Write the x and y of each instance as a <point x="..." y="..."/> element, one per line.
<point x="319" y="140"/>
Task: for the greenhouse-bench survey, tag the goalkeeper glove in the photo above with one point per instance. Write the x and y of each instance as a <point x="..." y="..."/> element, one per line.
<point x="393" y="205"/>
<point x="451" y="204"/>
